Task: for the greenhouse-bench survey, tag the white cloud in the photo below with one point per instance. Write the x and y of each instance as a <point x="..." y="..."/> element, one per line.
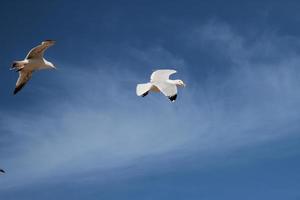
<point x="103" y="125"/>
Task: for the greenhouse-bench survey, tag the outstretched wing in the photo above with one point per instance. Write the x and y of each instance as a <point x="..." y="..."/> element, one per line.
<point x="38" y="51"/>
<point x="168" y="89"/>
<point x="2" y="171"/>
<point x="24" y="77"/>
<point x="161" y="75"/>
<point x="143" y="89"/>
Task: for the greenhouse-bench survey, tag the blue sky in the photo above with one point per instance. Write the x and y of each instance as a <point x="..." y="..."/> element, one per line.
<point x="80" y="132"/>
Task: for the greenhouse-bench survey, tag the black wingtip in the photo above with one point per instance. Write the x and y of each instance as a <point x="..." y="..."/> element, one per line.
<point x="16" y="91"/>
<point x="145" y="94"/>
<point x="1" y="170"/>
<point x="173" y="98"/>
<point x="18" y="88"/>
<point x="49" y="41"/>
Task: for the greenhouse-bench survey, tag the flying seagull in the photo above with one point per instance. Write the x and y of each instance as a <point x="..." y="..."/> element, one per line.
<point x="2" y="171"/>
<point x="160" y="82"/>
<point x="34" y="61"/>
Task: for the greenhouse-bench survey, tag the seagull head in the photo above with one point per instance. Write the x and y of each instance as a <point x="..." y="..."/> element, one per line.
<point x="180" y="83"/>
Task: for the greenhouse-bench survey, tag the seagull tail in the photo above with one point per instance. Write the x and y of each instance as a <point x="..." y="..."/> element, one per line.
<point x="143" y="89"/>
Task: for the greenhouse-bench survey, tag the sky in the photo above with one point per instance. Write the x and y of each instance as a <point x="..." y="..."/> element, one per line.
<point x="80" y="132"/>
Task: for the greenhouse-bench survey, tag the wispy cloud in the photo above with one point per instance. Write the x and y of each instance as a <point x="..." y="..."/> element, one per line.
<point x="101" y="124"/>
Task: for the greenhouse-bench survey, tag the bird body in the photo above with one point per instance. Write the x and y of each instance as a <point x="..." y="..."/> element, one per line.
<point x="33" y="61"/>
<point x="160" y="82"/>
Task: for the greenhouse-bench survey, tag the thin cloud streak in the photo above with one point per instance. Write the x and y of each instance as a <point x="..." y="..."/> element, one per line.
<point x="103" y="125"/>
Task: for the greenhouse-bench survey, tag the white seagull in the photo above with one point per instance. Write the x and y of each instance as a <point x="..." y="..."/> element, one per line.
<point x="160" y="82"/>
<point x="34" y="61"/>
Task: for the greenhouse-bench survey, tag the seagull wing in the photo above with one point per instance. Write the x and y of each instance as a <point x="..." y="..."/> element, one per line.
<point x="143" y="89"/>
<point x="24" y="77"/>
<point x="168" y="89"/>
<point x="161" y="75"/>
<point x="2" y="171"/>
<point x="38" y="51"/>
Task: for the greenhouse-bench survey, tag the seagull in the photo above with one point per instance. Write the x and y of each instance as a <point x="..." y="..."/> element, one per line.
<point x="2" y="171"/>
<point x="160" y="82"/>
<point x="34" y="61"/>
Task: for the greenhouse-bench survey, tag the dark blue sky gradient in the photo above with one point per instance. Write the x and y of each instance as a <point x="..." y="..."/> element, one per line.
<point x="81" y="133"/>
